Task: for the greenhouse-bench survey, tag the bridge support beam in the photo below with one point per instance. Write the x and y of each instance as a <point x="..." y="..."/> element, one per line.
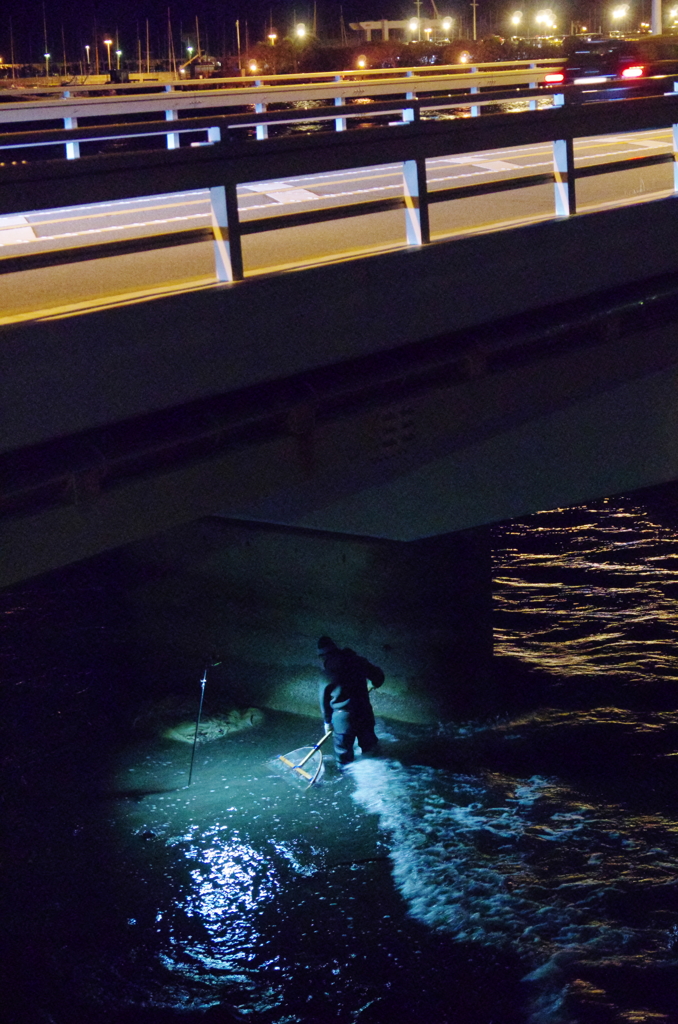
<point x="416" y="202"/>
<point x="563" y="168"/>
<point x="226" y="227"/>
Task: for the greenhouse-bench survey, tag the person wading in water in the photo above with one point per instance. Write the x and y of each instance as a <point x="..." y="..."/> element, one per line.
<point x="344" y="699"/>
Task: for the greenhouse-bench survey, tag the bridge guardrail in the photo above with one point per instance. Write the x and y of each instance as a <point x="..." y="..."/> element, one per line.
<point x="220" y="168"/>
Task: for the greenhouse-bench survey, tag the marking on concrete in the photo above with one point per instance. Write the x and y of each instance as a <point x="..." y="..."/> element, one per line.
<point x="487" y="165"/>
<point x="649" y="144"/>
<point x="292" y="195"/>
<point x="15" y="229"/>
<point x="282" y="192"/>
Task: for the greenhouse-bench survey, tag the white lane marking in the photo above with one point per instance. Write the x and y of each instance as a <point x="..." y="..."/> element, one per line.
<point x="101" y="231"/>
<point x="15" y="229"/>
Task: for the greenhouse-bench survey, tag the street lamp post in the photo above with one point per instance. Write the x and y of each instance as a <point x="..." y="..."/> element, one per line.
<point x="87" y="53"/>
<point x="108" y="43"/>
<point x="118" y="54"/>
<point x="474" y="5"/>
<point x="47" y="56"/>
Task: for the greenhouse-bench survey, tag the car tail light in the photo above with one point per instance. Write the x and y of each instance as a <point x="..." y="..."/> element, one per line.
<point x="554" y="78"/>
<point x="636" y="71"/>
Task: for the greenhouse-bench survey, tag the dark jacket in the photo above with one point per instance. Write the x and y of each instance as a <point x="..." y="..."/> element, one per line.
<point x="344" y="688"/>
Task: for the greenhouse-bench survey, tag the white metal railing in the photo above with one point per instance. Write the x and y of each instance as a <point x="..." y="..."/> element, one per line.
<point x="222" y="167"/>
<point x="178" y="99"/>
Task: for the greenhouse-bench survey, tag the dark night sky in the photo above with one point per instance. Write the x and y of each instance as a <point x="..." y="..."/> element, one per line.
<point x="73" y="24"/>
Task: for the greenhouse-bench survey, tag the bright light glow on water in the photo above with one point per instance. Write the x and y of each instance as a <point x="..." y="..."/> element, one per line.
<point x="514" y="870"/>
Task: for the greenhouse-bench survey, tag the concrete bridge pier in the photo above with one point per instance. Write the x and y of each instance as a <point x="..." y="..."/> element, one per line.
<point x="260" y="596"/>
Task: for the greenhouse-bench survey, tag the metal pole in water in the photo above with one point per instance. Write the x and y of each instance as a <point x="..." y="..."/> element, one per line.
<point x="197" y="724"/>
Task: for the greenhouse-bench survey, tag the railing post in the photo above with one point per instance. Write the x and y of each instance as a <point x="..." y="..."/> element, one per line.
<point x="533" y="85"/>
<point x="563" y="170"/>
<point x="172" y="115"/>
<point x="172" y="137"/>
<point x="475" y="111"/>
<point x="226" y="228"/>
<point x="408" y="112"/>
<point x="339" y="122"/>
<point x="260" y="108"/>
<point x="72" y="148"/>
<point x="416" y="202"/>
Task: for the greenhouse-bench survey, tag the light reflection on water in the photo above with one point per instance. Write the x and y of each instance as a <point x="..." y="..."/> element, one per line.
<point x="593" y="590"/>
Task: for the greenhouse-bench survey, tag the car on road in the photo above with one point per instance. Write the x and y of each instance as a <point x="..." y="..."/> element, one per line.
<point x="619" y="62"/>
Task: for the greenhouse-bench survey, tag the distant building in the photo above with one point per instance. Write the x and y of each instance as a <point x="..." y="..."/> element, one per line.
<point x="411" y="29"/>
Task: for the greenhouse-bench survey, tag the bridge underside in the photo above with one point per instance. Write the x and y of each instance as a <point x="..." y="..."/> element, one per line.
<point x="465" y="418"/>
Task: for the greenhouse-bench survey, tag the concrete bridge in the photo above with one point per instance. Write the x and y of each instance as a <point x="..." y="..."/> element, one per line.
<point x="401" y="394"/>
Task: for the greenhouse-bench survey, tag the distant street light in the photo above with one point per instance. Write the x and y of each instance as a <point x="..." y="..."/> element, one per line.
<point x="300" y="31"/>
<point x="516" y="18"/>
<point x="272" y="36"/>
<point x="546" y="19"/>
<point x="108" y="43"/>
<point x="87" y="53"/>
<point x="118" y="54"/>
<point x="447" y="25"/>
<point x="361" y="62"/>
<point x="253" y="67"/>
<point x="189" y="51"/>
<point x="47" y="56"/>
<point x="620" y="13"/>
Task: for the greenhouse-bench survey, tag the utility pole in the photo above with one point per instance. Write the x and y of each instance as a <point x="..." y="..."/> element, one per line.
<point x="474" y="4"/>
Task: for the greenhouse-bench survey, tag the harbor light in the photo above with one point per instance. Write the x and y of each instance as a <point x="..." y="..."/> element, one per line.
<point x="546" y="19"/>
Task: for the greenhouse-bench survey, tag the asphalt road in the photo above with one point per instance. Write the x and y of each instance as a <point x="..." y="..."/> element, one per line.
<point x="26" y="292"/>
